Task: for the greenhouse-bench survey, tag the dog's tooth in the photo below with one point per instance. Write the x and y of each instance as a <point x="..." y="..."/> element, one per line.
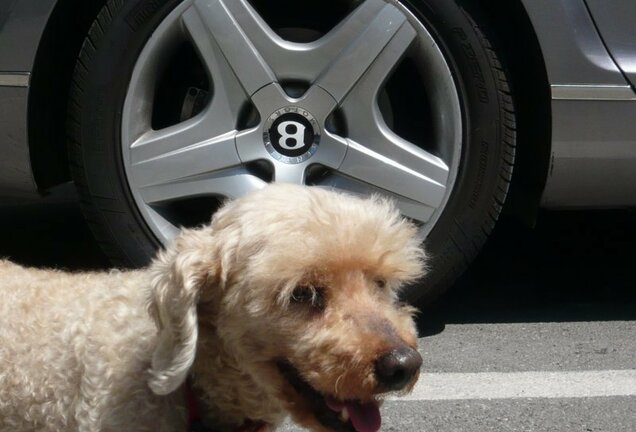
<point x="344" y="414"/>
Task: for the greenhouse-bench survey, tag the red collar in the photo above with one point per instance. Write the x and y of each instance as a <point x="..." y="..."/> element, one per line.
<point x="191" y="406"/>
<point x="194" y="416"/>
<point x="252" y="426"/>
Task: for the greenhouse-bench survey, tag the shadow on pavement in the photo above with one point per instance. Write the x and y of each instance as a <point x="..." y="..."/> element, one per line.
<point x="50" y="232"/>
<point x="573" y="266"/>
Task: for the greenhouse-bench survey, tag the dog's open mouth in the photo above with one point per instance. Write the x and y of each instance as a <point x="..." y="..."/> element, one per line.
<point x="340" y="416"/>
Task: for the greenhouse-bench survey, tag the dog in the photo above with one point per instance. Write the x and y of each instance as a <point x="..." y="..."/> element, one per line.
<point x="285" y="304"/>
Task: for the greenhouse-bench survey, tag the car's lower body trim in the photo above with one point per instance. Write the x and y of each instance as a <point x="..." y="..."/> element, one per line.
<point x="15" y="79"/>
<point x="592" y="92"/>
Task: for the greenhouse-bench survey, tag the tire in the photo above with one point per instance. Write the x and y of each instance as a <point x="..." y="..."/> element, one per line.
<point x="97" y="95"/>
<point x="488" y="153"/>
<point x="457" y="230"/>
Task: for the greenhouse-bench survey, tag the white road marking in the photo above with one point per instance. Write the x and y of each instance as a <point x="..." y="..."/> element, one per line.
<point x="509" y="385"/>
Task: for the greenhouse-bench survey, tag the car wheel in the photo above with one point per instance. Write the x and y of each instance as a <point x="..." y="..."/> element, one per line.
<point x="178" y="105"/>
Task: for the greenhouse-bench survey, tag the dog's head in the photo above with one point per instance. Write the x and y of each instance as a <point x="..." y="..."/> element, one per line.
<point x="301" y="285"/>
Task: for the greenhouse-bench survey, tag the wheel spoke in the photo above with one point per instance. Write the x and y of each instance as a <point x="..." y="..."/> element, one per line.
<point x="370" y="135"/>
<point x="377" y="158"/>
<point x="303" y="61"/>
<point x="178" y="152"/>
<point x="380" y="45"/>
<point x="269" y="98"/>
<point x="228" y="94"/>
<point x="250" y="146"/>
<point x="331" y="151"/>
<point x="257" y="55"/>
<point x="213" y="19"/>
<point x="376" y="154"/>
<point x="398" y="170"/>
<point x="408" y="208"/>
<point x="231" y="183"/>
<point x="290" y="173"/>
<point x="365" y="91"/>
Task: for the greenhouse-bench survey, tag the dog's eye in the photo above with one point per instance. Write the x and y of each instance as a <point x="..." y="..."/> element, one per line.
<point x="309" y="295"/>
<point x="302" y="294"/>
<point x="380" y="282"/>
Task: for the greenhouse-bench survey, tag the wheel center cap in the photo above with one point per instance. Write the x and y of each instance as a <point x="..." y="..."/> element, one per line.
<point x="291" y="135"/>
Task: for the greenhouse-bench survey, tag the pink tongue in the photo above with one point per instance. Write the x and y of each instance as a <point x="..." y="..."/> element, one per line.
<point x="365" y="417"/>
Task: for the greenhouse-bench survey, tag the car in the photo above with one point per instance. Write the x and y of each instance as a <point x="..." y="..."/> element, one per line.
<point x="159" y="110"/>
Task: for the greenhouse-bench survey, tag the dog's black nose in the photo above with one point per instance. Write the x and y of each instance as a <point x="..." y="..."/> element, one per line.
<point x="396" y="368"/>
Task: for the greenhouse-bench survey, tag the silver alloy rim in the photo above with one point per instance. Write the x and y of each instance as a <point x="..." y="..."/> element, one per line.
<point x="248" y="62"/>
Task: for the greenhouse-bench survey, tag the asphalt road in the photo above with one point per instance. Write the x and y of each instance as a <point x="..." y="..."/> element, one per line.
<point x="540" y="335"/>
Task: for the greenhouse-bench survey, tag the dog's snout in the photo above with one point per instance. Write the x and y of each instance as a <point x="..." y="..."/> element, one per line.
<point x="396" y="368"/>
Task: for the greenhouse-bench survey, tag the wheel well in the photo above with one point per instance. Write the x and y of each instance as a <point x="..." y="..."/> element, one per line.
<point x="50" y="82"/>
<point x="515" y="38"/>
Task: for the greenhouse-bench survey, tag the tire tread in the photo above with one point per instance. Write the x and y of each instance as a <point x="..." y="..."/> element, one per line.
<point x="472" y="244"/>
<point x="93" y="214"/>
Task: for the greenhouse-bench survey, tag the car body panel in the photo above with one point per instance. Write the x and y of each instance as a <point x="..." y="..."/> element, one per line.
<point x="615" y="21"/>
<point x="22" y="23"/>
<point x="16" y="177"/>
<point x="21" y="26"/>
<point x="593" y="152"/>
<point x="572" y="49"/>
<point x="591" y="166"/>
<point x="593" y="136"/>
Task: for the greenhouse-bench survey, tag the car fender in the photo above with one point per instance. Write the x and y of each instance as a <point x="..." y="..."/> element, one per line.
<point x="593" y="145"/>
<point x="22" y="23"/>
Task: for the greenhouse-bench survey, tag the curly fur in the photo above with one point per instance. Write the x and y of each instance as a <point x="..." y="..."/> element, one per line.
<point x="111" y="351"/>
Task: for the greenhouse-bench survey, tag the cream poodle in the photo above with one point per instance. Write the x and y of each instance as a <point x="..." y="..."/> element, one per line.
<point x="286" y="303"/>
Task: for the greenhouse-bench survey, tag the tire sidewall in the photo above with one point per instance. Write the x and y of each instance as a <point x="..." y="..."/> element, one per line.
<point x="473" y="206"/>
<point x="104" y="92"/>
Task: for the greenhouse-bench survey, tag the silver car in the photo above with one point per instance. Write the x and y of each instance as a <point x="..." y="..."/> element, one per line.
<point x="160" y="109"/>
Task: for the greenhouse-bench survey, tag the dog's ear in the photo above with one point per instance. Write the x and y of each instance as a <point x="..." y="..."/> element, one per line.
<point x="178" y="276"/>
